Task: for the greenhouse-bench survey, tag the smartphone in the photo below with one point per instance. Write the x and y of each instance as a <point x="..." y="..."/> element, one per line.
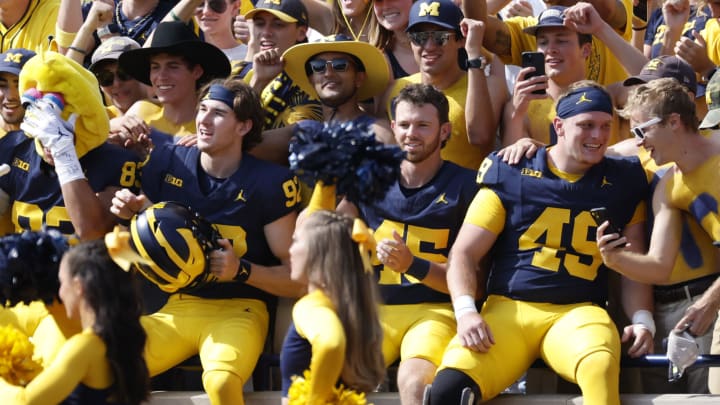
<point x="600" y="215"/>
<point x="536" y="60"/>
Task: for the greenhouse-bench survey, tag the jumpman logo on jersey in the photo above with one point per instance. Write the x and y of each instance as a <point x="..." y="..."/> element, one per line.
<point x="240" y="196"/>
<point x="583" y="99"/>
<point x="441" y="200"/>
<point x="605" y="182"/>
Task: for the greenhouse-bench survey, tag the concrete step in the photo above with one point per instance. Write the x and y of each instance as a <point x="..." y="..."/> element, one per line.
<point x="391" y="398"/>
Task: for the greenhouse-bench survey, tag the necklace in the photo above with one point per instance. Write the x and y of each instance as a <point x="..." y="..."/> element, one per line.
<point x="349" y="26"/>
<point x="138" y="29"/>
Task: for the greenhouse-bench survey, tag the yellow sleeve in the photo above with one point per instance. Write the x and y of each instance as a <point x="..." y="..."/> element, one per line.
<point x="640" y="214"/>
<point x="487" y="211"/>
<point x="711" y="35"/>
<point x="316" y="320"/>
<point x="57" y="381"/>
<point x="519" y="41"/>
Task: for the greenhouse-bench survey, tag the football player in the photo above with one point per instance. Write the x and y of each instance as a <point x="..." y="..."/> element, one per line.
<point x="547" y="286"/>
<point x="62" y="174"/>
<point x="252" y="203"/>
<point x="416" y="224"/>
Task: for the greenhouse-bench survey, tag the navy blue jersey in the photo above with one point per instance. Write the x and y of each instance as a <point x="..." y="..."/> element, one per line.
<point x="547" y="250"/>
<point x="257" y="194"/>
<point x="428" y="219"/>
<point x="35" y="195"/>
<point x="657" y="30"/>
<point x="295" y="357"/>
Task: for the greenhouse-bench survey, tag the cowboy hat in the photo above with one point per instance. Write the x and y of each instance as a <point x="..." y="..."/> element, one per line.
<point x="374" y="64"/>
<point x="176" y="38"/>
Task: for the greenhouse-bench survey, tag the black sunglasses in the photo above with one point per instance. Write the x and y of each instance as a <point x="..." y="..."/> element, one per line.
<point x="218" y="6"/>
<point x="440" y="38"/>
<point x="320" y="65"/>
<point x="106" y="78"/>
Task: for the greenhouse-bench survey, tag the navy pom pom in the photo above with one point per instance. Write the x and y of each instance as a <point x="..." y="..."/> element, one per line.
<point x="347" y="155"/>
<point x="29" y="264"/>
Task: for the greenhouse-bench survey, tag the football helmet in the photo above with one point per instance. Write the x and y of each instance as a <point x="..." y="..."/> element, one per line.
<point x="175" y="244"/>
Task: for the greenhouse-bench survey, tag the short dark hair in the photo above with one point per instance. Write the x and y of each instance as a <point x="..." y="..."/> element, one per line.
<point x="419" y="94"/>
<point x="246" y="106"/>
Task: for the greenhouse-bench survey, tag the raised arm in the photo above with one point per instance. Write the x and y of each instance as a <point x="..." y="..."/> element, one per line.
<point x="584" y="18"/>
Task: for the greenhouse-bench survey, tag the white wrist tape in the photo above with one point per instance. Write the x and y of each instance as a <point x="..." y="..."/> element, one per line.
<point x="644" y="318"/>
<point x="464" y="304"/>
<point x="67" y="165"/>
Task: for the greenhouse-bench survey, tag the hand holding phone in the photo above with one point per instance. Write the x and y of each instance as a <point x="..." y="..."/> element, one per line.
<point x="536" y="60"/>
<point x="600" y="215"/>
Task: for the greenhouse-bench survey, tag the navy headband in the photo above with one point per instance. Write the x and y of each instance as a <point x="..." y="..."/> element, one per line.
<point x="220" y="93"/>
<point x="584" y="99"/>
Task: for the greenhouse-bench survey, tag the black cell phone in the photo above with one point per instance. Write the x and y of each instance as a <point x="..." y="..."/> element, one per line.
<point x="601" y="215"/>
<point x="536" y="60"/>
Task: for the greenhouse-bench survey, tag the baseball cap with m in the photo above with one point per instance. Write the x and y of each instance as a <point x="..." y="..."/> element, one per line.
<point x="14" y="59"/>
<point x="291" y="11"/>
<point x="666" y="66"/>
<point x="443" y="13"/>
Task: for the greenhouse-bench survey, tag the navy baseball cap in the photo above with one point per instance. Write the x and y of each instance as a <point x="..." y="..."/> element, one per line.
<point x="14" y="59"/>
<point x="291" y="11"/>
<point x="551" y="17"/>
<point x="443" y="13"/>
<point x="666" y="66"/>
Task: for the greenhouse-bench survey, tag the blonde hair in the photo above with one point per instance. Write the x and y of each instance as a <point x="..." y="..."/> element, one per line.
<point x="335" y="265"/>
<point x="660" y="98"/>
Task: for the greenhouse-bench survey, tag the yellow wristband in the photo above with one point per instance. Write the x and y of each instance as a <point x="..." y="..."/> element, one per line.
<point x="64" y="39"/>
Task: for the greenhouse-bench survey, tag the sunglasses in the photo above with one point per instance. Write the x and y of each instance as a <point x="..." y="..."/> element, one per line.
<point x="218" y="6"/>
<point x="639" y="130"/>
<point x="106" y="78"/>
<point x="320" y="65"/>
<point x="420" y="38"/>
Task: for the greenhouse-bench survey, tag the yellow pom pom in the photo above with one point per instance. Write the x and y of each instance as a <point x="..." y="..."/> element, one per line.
<point x="299" y="394"/>
<point x="17" y="365"/>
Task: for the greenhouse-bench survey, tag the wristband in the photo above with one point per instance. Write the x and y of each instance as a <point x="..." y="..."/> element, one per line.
<point x="419" y="268"/>
<point x="67" y="166"/>
<point x="243" y="273"/>
<point x="78" y="50"/>
<point x="174" y="16"/>
<point x="639" y="28"/>
<point x="644" y="318"/>
<point x="64" y="38"/>
<point x="464" y="304"/>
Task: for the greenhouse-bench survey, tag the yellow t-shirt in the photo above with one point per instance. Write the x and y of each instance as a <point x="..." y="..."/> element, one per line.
<point x="458" y="149"/>
<point x="697" y="256"/>
<point x="696" y="194"/>
<point x="152" y="114"/>
<point x="601" y="66"/>
<point x="33" y="29"/>
<point x="711" y="35"/>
